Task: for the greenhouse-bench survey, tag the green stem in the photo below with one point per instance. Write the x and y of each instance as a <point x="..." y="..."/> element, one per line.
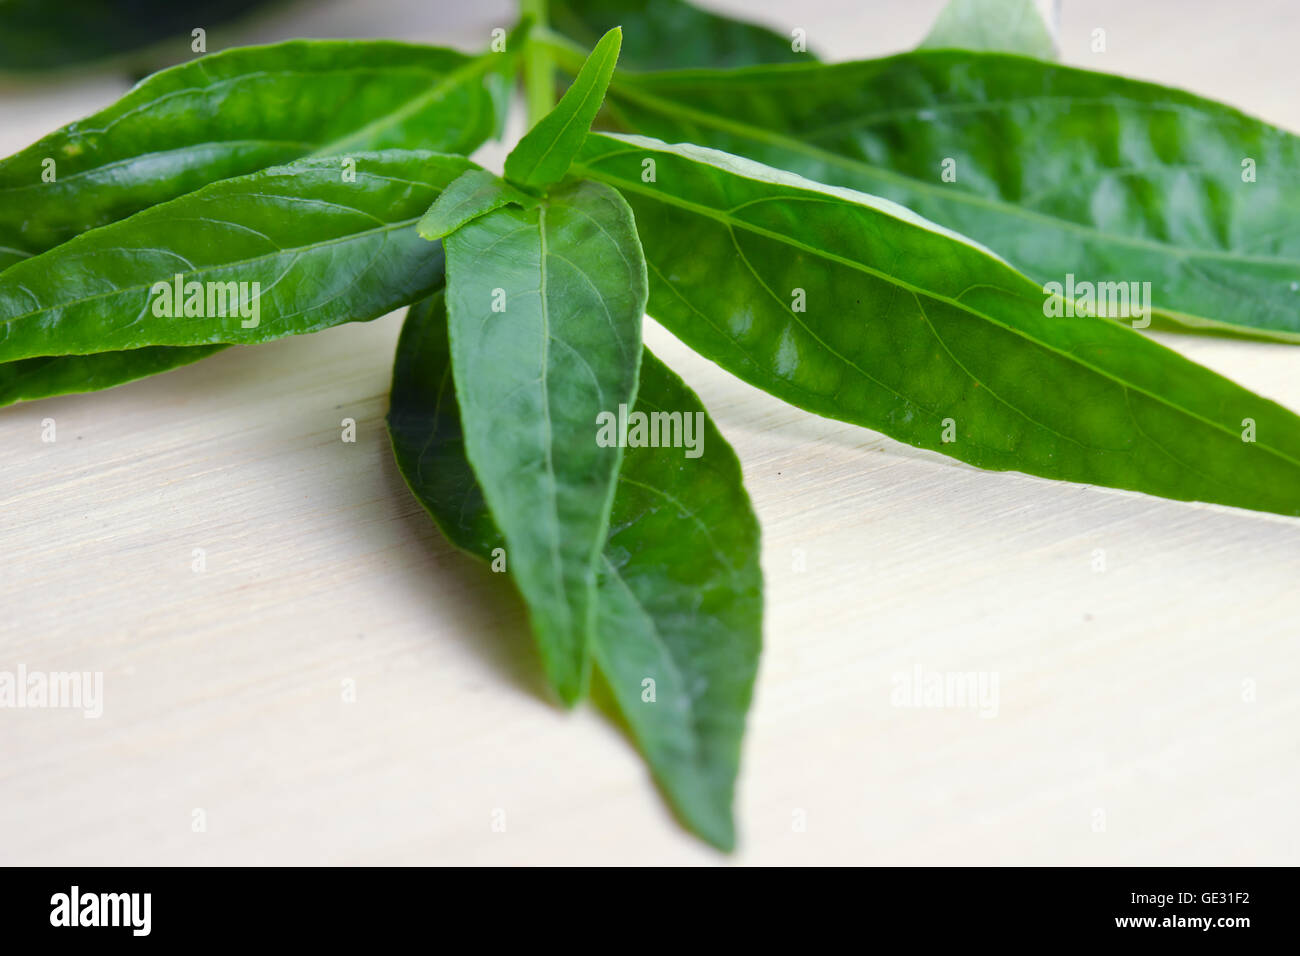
<point x="539" y="65"/>
<point x="567" y="54"/>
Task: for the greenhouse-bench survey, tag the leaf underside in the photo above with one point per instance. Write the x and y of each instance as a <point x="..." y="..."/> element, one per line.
<point x="679" y="593"/>
<point x="545" y="311"/>
<point x="998" y="26"/>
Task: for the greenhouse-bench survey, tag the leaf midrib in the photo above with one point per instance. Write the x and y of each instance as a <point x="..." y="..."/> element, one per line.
<point x="726" y="219"/>
<point x="446" y="84"/>
<point x="557" y="563"/>
<point x="771" y="138"/>
<point x="295" y="250"/>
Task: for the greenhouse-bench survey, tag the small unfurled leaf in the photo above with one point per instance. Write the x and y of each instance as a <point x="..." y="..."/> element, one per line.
<point x="545" y="309"/>
<point x="673" y="34"/>
<point x="476" y="193"/>
<point x="855" y="308"/>
<point x="679" y="593"/>
<point x="998" y="26"/>
<point x="287" y="250"/>
<point x="1067" y="174"/>
<point x="543" y="155"/>
<point x="236" y="112"/>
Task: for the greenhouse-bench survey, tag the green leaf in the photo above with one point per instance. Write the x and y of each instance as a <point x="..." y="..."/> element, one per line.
<point x="543" y="155"/>
<point x="35" y="34"/>
<point x="997" y="26"/>
<point x="679" y="595"/>
<point x="855" y="308"/>
<point x="545" y="313"/>
<point x="476" y="193"/>
<point x="321" y="251"/>
<point x="29" y="379"/>
<point x="1060" y="171"/>
<point x="673" y="34"/>
<point x="236" y="112"/>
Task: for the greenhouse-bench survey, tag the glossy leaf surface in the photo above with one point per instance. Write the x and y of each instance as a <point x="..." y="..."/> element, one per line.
<point x="236" y="112"/>
<point x="545" y="311"/>
<point x="1060" y="171"/>
<point x="679" y="592"/>
<point x="321" y="250"/>
<point x="857" y="309"/>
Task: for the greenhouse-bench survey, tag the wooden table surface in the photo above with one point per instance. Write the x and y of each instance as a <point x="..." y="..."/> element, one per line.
<point x="1145" y="651"/>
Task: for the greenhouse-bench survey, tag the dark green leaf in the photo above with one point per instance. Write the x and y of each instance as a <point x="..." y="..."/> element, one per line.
<point x="855" y="308"/>
<point x="29" y="379"/>
<point x="1059" y="170"/>
<point x="476" y="193"/>
<point x="679" y="595"/>
<point x="543" y="155"/>
<point x="998" y="26"/>
<point x="545" y="317"/>
<point x="321" y="250"/>
<point x="37" y="34"/>
<point x="234" y="113"/>
<point x="671" y="34"/>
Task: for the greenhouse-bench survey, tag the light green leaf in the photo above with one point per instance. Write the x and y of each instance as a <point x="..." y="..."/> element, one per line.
<point x="997" y="26"/>
<point x="672" y="34"/>
<point x="545" y="317"/>
<point x="855" y="308"/>
<point x="679" y="594"/>
<point x="1060" y="171"/>
<point x="302" y="249"/>
<point x="543" y="155"/>
<point x="476" y="193"/>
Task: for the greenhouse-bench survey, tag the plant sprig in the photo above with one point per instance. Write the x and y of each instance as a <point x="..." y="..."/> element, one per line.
<point x="889" y="242"/>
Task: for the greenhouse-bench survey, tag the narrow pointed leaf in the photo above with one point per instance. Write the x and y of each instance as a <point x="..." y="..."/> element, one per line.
<point x="321" y="251"/>
<point x="545" y="313"/>
<point x="673" y="34"/>
<point x="236" y="112"/>
<point x="998" y="26"/>
<point x="476" y="193"/>
<point x="543" y="155"/>
<point x="855" y="308"/>
<point x="1061" y="171"/>
<point x="679" y="594"/>
<point x="29" y="379"/>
